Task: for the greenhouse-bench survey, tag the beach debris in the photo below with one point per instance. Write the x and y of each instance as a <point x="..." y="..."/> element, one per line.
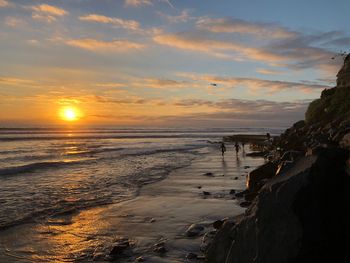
<point x="246" y="167"/>
<point x="236" y="178"/>
<point x="194" y="230"/>
<point x="209" y="174"/>
<point x="199" y="187"/>
<point x="206" y="193"/>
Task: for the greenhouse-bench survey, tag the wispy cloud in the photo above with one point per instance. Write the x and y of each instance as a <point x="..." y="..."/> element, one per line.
<point x="104" y="46"/>
<point x="137" y="3"/>
<point x="14" y="81"/>
<point x="4" y="3"/>
<point x="269" y="71"/>
<point x="184" y="16"/>
<point x="126" y="24"/>
<point x="13" y="21"/>
<point x="289" y="49"/>
<point x="233" y="25"/>
<point x="48" y="13"/>
<point x="218" y="48"/>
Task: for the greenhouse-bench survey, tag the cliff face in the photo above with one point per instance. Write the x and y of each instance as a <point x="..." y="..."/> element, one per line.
<point x="343" y="76"/>
<point x="299" y="215"/>
<point x="334" y="104"/>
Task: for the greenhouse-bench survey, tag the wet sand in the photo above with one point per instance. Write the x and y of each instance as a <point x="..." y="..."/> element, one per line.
<point x="161" y="213"/>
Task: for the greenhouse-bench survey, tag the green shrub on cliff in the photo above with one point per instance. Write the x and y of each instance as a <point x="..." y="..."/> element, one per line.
<point x="333" y="104"/>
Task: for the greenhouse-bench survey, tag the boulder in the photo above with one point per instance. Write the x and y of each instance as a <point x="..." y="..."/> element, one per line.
<point x="265" y="171"/>
<point x="194" y="230"/>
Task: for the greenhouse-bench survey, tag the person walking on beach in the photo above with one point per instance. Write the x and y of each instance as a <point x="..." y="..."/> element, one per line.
<point x="268" y="136"/>
<point x="223" y="148"/>
<point x="237" y="147"/>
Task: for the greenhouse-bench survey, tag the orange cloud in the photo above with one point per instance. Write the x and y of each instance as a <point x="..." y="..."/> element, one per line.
<point x="4" y="3"/>
<point x="104" y="46"/>
<point x="127" y="24"/>
<point x="48" y="13"/>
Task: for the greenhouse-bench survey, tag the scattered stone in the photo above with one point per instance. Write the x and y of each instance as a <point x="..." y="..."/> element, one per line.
<point x="194" y="230"/>
<point x="152" y="220"/>
<point x="140" y="259"/>
<point x="246" y="167"/>
<point x="218" y="224"/>
<point x="160" y="250"/>
<point x="209" y="174"/>
<point x="98" y="256"/>
<point x="119" y="247"/>
<point x="232" y="191"/>
<point x="160" y="247"/>
<point x="191" y="256"/>
<point x="206" y="193"/>
<point x="199" y="187"/>
<point x="236" y="178"/>
<point x="245" y="204"/>
<point x="241" y="194"/>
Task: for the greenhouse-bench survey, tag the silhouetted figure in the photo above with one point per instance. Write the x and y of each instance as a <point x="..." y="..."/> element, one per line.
<point x="237" y="147"/>
<point x="223" y="149"/>
<point x="268" y="136"/>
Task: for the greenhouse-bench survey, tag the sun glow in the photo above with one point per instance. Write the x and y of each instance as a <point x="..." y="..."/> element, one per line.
<point x="69" y="114"/>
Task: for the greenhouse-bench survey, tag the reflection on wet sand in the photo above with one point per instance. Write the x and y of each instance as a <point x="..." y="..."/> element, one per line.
<point x="78" y="237"/>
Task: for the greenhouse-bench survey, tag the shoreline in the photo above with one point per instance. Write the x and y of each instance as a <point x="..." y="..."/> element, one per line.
<point x="161" y="213"/>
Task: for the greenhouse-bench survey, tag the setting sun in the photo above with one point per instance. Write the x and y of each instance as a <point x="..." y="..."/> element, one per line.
<point x="69" y="114"/>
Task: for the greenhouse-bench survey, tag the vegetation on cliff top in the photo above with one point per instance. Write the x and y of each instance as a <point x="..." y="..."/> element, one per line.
<point x="333" y="104"/>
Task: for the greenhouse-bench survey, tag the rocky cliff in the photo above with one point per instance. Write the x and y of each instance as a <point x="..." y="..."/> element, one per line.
<point x="300" y="214"/>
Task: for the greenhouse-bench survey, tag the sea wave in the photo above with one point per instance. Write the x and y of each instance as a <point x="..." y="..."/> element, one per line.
<point x="12" y="170"/>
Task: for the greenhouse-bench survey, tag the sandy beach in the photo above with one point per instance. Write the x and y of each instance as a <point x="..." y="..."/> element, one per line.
<point x="158" y="217"/>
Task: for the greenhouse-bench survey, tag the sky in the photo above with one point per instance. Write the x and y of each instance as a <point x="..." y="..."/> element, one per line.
<point x="167" y="63"/>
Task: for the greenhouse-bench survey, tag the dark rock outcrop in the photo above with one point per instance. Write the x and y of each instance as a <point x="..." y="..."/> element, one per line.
<point x="255" y="177"/>
<point x="297" y="217"/>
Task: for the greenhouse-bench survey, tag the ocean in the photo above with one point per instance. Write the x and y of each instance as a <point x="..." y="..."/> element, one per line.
<point x="48" y="172"/>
